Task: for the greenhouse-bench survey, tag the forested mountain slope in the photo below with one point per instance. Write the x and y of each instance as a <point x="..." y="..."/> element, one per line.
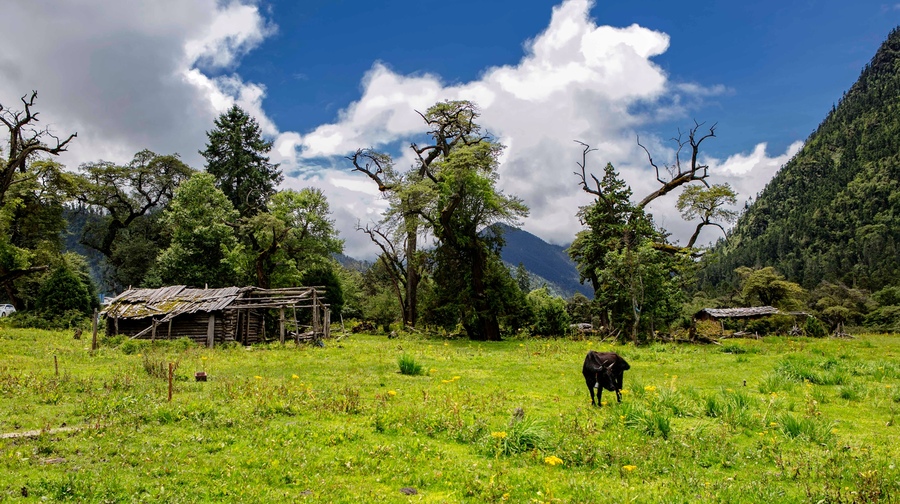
<point x="833" y="212"/>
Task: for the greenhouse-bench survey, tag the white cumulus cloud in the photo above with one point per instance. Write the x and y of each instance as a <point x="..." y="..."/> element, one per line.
<point x="135" y="75"/>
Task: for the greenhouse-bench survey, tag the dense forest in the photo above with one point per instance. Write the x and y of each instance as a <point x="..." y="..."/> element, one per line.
<point x="833" y="212"/>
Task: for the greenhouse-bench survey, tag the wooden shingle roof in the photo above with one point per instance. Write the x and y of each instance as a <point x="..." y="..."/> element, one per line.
<point x="171" y="301"/>
<point x="754" y="311"/>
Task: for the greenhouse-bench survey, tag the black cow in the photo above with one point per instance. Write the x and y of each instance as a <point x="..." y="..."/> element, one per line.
<point x="604" y="370"/>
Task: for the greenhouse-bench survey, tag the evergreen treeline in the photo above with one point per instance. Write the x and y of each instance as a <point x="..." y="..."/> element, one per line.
<point x="833" y="212"/>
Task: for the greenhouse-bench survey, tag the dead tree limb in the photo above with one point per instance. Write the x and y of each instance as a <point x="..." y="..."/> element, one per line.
<point x="676" y="174"/>
<point x="25" y="141"/>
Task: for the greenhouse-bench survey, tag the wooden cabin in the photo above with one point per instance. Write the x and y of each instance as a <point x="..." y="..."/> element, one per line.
<point x="718" y="314"/>
<point x="210" y="316"/>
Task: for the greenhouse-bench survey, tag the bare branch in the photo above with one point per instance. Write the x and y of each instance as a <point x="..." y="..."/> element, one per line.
<point x="679" y="175"/>
<point x="373" y="165"/>
<point x="583" y="164"/>
<point x="25" y="141"/>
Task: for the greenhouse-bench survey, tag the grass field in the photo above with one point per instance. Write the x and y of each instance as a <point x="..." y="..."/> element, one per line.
<point x="773" y="420"/>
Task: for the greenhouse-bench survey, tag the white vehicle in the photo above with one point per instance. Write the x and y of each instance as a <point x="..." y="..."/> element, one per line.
<point x="6" y="309"/>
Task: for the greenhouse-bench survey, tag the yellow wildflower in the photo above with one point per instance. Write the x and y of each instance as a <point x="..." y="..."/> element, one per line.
<point x="773" y="424"/>
<point x="498" y="435"/>
<point x="258" y="377"/>
<point x="392" y="392"/>
<point x="295" y="377"/>
<point x="629" y="468"/>
<point x="553" y="460"/>
<point x="650" y="388"/>
<point x="203" y="358"/>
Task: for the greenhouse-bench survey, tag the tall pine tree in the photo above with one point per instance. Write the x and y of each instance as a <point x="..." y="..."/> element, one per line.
<point x="236" y="156"/>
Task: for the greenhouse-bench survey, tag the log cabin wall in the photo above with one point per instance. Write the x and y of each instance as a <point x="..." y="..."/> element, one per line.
<point x="196" y="325"/>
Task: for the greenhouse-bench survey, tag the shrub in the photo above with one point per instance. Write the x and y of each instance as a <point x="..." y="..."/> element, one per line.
<point x="548" y="312"/>
<point x="409" y="366"/>
<point x="62" y="292"/>
<point x="815" y="328"/>
<point x="771" y="325"/>
<point x="884" y="318"/>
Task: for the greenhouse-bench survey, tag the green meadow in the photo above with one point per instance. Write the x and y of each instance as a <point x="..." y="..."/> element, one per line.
<point x="770" y="420"/>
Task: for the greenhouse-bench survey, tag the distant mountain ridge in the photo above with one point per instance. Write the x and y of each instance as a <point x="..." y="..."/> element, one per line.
<point x="549" y="262"/>
<point x="832" y="212"/>
<point x="546" y="263"/>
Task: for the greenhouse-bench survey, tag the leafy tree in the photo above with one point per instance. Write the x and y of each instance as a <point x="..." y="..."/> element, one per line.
<point x="295" y="234"/>
<point x="201" y="239"/>
<point x="769" y="287"/>
<point x="379" y="300"/>
<point x="236" y="155"/>
<point x="452" y="192"/>
<point x="707" y="204"/>
<point x="324" y="275"/>
<point x="639" y="288"/>
<point x="580" y="309"/>
<point x="63" y="291"/>
<point x="548" y="313"/>
<point x="31" y="224"/>
<point x="466" y="201"/>
<point x="609" y="222"/>
<point x="128" y="199"/>
<point x="523" y="278"/>
<point x="635" y="283"/>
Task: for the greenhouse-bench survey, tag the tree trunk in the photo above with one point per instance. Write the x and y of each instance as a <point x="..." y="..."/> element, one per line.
<point x="412" y="275"/>
<point x="486" y="327"/>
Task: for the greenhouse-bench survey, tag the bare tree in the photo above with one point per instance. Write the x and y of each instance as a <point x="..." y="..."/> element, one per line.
<point x="25" y="141"/>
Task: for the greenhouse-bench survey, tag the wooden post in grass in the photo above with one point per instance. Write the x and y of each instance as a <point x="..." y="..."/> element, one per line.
<point x="281" y="324"/>
<point x="94" y="331"/>
<point x="171" y="374"/>
<point x="56" y="365"/>
<point x="211" y="332"/>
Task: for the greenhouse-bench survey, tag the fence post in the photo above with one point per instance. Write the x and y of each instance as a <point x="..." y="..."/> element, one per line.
<point x="281" y="324"/>
<point x="94" y="331"/>
<point x="171" y="375"/>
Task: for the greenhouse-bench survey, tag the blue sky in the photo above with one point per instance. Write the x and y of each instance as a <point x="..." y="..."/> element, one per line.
<point x="327" y="77"/>
<point x="784" y="63"/>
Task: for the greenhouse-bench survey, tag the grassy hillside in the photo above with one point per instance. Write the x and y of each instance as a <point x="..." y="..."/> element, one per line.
<point x="341" y="424"/>
<point x="833" y="212"/>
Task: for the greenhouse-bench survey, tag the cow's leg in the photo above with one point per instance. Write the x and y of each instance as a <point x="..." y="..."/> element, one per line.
<point x="619" y="395"/>
<point x="599" y="396"/>
<point x="590" y="386"/>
